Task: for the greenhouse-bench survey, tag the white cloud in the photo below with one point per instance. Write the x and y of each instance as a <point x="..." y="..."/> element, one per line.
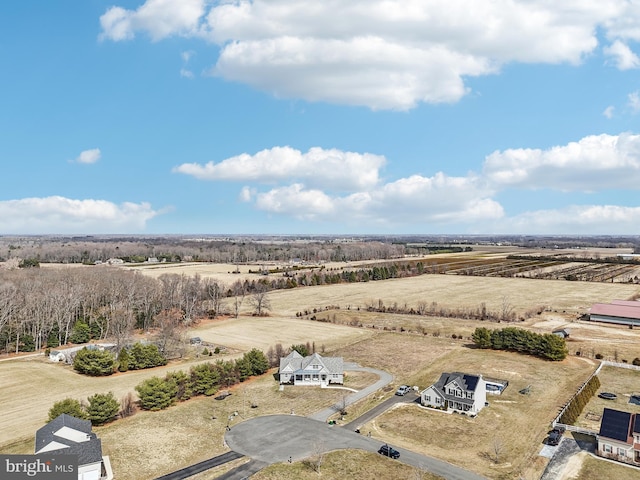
<point x="409" y="201"/>
<point x="383" y="54"/>
<point x="608" y="112"/>
<point x="329" y="169"/>
<point x="158" y="18"/>
<point x="89" y="156"/>
<point x="634" y="101"/>
<point x="577" y="219"/>
<point x="184" y="71"/>
<point x="622" y="55"/>
<point x="595" y="162"/>
<point x="64" y="215"/>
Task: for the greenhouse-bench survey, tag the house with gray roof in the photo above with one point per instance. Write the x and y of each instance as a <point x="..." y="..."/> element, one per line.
<point x="311" y="370"/>
<point x="619" y="436"/>
<point x="67" y="435"/>
<point x="456" y="392"/>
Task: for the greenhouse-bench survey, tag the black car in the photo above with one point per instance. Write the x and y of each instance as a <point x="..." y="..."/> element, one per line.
<point x="388" y="451"/>
<point x="554" y="438"/>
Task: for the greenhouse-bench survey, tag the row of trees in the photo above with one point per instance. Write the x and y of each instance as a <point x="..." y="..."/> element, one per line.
<point x="579" y="401"/>
<point x="100" y="409"/>
<point x="549" y="346"/>
<point x="96" y="362"/>
<point x="240" y="250"/>
<point x="204" y="379"/>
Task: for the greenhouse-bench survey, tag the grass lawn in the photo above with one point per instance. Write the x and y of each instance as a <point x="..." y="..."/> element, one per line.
<point x="342" y="465"/>
<point x="598" y="469"/>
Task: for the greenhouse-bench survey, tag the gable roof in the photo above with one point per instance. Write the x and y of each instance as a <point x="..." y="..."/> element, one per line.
<point x="295" y="362"/>
<point x="466" y="382"/>
<point x="616" y="425"/>
<point x="70" y="435"/>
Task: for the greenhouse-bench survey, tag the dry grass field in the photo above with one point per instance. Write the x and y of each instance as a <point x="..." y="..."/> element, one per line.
<point x="598" y="469"/>
<point x="345" y="464"/>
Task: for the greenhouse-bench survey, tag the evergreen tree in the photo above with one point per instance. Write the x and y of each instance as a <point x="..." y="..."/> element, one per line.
<point x="301" y="349"/>
<point x="123" y="360"/>
<point x="69" y="406"/>
<point x="243" y="367"/>
<point x="205" y="379"/>
<point x="156" y="393"/>
<point x="258" y="361"/>
<point x="103" y="407"/>
<point x="94" y="362"/>
<point x="80" y="333"/>
<point x="482" y="337"/>
<point x="145" y="356"/>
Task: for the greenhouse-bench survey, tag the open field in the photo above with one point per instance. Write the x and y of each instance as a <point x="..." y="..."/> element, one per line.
<point x="245" y="333"/>
<point x="454" y="291"/>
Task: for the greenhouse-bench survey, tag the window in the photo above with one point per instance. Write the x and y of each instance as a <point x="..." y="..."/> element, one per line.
<point x="622" y="452"/>
<point x="427" y="398"/>
<point x="606" y="448"/>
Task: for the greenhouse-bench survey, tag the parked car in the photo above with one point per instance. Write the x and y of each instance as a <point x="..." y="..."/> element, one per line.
<point x="403" y="390"/>
<point x="388" y="451"/>
<point x="554" y="437"/>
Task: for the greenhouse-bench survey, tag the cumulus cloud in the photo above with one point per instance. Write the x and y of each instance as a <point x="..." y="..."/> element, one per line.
<point x="158" y="18"/>
<point x="587" y="219"/>
<point x="89" y="156"/>
<point x="408" y="201"/>
<point x="382" y="54"/>
<point x="593" y="163"/>
<point x="58" y="214"/>
<point x="330" y="169"/>
<point x="622" y="56"/>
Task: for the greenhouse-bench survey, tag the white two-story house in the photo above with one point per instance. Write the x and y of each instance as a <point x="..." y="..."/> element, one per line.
<point x="311" y="370"/>
<point x="459" y="392"/>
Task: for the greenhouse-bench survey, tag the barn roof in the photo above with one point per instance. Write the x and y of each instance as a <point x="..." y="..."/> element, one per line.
<point x="616" y="310"/>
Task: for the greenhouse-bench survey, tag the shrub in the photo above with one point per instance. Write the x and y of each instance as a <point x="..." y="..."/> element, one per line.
<point x="80" y="333"/>
<point x="636" y="361"/>
<point x="69" y="406"/>
<point x="217" y="350"/>
<point x="94" y="362"/>
<point x="156" y="393"/>
<point x="103" y="408"/>
<point x="127" y="405"/>
<point x="599" y="356"/>
<point x="123" y="360"/>
<point x="205" y="352"/>
<point x="145" y="356"/>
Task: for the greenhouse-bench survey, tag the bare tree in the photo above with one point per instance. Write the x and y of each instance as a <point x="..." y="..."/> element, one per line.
<point x="507" y="309"/>
<point x="259" y="300"/>
<point x="214" y="292"/>
<point x="171" y="332"/>
<point x="498" y="448"/>
<point x="316" y="459"/>
<point x="239" y="291"/>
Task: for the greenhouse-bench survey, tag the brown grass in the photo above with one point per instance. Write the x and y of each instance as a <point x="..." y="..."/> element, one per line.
<point x="598" y="469"/>
<point x="344" y="464"/>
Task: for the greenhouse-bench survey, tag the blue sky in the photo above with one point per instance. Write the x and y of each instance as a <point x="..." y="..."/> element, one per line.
<point x="289" y="117"/>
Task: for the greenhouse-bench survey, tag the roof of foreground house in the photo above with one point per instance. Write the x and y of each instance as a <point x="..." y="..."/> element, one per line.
<point x="69" y="436"/>
<point x="616" y="425"/>
<point x="296" y="362"/>
<point x="468" y="383"/>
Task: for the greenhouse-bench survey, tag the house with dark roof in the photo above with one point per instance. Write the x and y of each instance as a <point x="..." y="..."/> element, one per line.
<point x="456" y="392"/>
<point x="619" y="437"/>
<point x="67" y="435"/>
<point x="311" y="370"/>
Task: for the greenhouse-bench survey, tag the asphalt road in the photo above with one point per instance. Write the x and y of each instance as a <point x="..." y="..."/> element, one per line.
<point x="276" y="438"/>
<point x="201" y="467"/>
